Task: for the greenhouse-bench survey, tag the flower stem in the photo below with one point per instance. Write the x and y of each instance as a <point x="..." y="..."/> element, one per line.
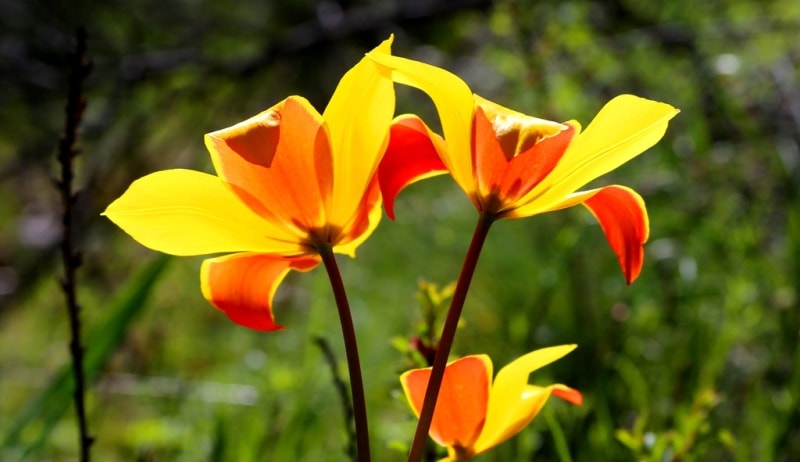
<point x="448" y="334"/>
<point x="351" y="349"/>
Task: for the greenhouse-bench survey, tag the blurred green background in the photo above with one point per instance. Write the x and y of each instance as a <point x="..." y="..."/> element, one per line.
<point x="697" y="360"/>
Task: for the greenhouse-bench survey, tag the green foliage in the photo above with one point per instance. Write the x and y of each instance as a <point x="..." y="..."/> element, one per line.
<point x="697" y="360"/>
<point x="44" y="410"/>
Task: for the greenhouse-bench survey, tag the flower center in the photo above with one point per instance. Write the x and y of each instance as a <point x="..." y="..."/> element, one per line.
<point x="324" y="235"/>
<point x="462" y="452"/>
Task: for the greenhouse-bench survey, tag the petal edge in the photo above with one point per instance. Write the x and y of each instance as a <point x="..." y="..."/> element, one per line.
<point x="243" y="285"/>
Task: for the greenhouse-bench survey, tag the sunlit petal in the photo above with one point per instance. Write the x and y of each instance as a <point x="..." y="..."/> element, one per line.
<point x="411" y="156"/>
<point x="461" y="405"/>
<point x="243" y="285"/>
<point x="516" y="132"/>
<point x="622" y="215"/>
<point x="528" y="406"/>
<point x="278" y="162"/>
<point x="184" y="212"/>
<point x="358" y="118"/>
<point x="512" y="399"/>
<point x="624" y="128"/>
<point x="453" y="100"/>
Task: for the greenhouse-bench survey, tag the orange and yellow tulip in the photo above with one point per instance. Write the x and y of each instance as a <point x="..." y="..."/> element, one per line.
<point x="474" y="414"/>
<point x="288" y="182"/>
<point x="512" y="165"/>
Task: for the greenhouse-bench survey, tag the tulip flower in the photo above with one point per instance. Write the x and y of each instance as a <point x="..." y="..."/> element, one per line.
<point x="512" y="165"/>
<point x="290" y="183"/>
<point x="474" y="414"/>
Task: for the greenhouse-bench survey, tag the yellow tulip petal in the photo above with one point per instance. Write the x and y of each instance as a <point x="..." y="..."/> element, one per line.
<point x="184" y="212"/>
<point x="358" y="117"/>
<point x="512" y="399"/>
<point x="624" y="128"/>
<point x="526" y="407"/>
<point x="454" y="103"/>
<point x="363" y="223"/>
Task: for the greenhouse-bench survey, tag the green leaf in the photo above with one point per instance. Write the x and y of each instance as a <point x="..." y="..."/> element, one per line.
<point x="43" y="411"/>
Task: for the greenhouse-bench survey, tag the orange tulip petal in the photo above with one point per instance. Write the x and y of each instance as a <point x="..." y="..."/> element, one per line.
<point x="411" y="156"/>
<point x="530" y="167"/>
<point x="490" y="163"/>
<point x="242" y="285"/>
<point x="623" y="217"/>
<point x="279" y="163"/>
<point x="503" y="181"/>
<point x="358" y="118"/>
<point x="568" y="394"/>
<point x="463" y="399"/>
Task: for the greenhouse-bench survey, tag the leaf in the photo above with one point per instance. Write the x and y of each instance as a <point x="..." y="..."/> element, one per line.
<point x="43" y="411"/>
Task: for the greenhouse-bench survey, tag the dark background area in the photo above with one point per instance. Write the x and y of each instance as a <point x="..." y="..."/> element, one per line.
<point x="697" y="360"/>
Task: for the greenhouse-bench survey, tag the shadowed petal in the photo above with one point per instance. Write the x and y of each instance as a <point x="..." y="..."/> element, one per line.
<point x="512" y="400"/>
<point x="184" y="212"/>
<point x="363" y="223"/>
<point x="624" y="128"/>
<point x="242" y="285"/>
<point x="531" y="167"/>
<point x="461" y="405"/>
<point x="490" y="163"/>
<point x="453" y="100"/>
<point x="410" y="157"/>
<point x="358" y="118"/>
<point x="279" y="163"/>
<point x="512" y="154"/>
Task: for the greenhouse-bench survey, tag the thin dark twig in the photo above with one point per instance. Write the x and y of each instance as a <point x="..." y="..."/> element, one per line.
<point x="71" y="258"/>
<point x="344" y="397"/>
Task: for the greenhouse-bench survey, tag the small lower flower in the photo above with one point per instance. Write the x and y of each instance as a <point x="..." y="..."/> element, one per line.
<point x="474" y="414"/>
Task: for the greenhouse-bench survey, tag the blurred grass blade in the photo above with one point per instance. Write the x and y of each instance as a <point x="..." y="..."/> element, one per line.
<point x="43" y="411"/>
<point x="560" y="441"/>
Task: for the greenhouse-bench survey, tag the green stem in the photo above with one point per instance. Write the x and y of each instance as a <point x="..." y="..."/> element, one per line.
<point x="448" y="334"/>
<point x="351" y="349"/>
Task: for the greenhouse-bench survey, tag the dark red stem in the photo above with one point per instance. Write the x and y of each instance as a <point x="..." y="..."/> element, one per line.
<point x="351" y="349"/>
<point x="448" y="334"/>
